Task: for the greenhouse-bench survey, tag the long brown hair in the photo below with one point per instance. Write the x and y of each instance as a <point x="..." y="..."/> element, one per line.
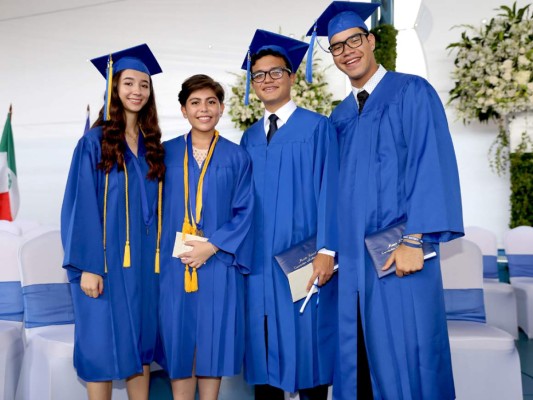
<point x="113" y="138"/>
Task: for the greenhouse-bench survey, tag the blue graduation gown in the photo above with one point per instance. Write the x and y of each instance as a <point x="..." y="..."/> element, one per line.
<point x="396" y="161"/>
<point x="295" y="179"/>
<point x="210" y="321"/>
<point x="116" y="333"/>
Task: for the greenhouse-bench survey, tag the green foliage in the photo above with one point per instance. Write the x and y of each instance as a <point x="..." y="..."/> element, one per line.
<point x="385" y="51"/>
<point x="521" y="166"/>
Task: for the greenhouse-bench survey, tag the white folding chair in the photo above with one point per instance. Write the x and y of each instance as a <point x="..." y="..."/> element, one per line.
<point x="500" y="298"/>
<point x="485" y="362"/>
<point x="47" y="370"/>
<point x="518" y="243"/>
<point x="11" y="314"/>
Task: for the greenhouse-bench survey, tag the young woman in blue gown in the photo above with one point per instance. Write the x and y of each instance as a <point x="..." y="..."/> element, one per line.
<point x="208" y="193"/>
<point x="109" y="227"/>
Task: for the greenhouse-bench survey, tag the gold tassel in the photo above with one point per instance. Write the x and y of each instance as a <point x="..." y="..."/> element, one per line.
<point x="159" y="222"/>
<point x="127" y="257"/>
<point x="187" y="228"/>
<point x="157" y="261"/>
<point x="194" y="281"/>
<point x="187" y="280"/>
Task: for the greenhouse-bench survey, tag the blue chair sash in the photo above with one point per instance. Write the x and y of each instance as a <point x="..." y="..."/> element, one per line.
<point x="11" y="306"/>
<point x="490" y="267"/>
<point x="464" y="304"/>
<point x="520" y="265"/>
<point x="47" y="304"/>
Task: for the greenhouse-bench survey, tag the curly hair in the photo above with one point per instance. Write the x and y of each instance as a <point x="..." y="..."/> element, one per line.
<point x="114" y="140"/>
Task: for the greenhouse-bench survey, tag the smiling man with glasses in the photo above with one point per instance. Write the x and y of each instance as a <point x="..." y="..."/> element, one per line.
<point x="294" y="157"/>
<point x="397" y="164"/>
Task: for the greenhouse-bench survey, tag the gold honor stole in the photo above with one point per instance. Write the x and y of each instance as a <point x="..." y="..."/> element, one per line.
<point x="190" y="222"/>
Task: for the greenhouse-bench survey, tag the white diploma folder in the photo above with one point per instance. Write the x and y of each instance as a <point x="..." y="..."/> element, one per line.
<point x="179" y="244"/>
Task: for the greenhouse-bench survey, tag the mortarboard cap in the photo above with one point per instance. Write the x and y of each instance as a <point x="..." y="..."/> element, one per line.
<point x="293" y="50"/>
<point x="139" y="58"/>
<point x="337" y="17"/>
<point x="342" y="15"/>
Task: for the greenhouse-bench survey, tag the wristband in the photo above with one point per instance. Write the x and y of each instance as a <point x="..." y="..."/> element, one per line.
<point x="413" y="245"/>
<point x="413" y="238"/>
<point x="213" y="247"/>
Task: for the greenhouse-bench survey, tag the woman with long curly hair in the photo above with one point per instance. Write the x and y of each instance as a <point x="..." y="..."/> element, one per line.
<point x="110" y="227"/>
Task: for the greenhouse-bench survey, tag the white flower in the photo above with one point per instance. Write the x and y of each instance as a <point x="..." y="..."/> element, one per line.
<point x="493" y="80"/>
<point x="493" y="67"/>
<point x="522" y="77"/>
<point x="523" y="60"/>
<point x="507" y="65"/>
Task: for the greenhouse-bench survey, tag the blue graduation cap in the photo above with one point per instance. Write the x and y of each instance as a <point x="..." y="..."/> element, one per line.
<point x="139" y="58"/>
<point x="337" y="17"/>
<point x="293" y="50"/>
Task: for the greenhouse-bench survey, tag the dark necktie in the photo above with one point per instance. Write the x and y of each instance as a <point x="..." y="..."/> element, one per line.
<point x="273" y="126"/>
<point x="361" y="99"/>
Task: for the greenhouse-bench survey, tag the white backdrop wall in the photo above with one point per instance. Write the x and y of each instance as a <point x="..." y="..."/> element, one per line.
<point x="45" y="74"/>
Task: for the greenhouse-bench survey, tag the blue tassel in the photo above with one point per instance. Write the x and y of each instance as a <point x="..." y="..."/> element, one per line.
<point x="309" y="64"/>
<point x="247" y="92"/>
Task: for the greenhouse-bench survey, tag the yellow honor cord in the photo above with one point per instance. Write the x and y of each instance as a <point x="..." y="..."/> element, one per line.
<point x="109" y="87"/>
<point x="105" y="219"/>
<point x="189" y="222"/>
<point x="159" y="223"/>
<point x="127" y="255"/>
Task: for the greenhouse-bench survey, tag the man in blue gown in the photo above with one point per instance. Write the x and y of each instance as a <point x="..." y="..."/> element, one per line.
<point x="396" y="163"/>
<point x="295" y="161"/>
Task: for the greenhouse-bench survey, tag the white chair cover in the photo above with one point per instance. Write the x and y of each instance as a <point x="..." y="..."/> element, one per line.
<point x="47" y="370"/>
<point x="26" y="225"/>
<point x="519" y="242"/>
<point x="10" y="227"/>
<point x="11" y="343"/>
<point x="485" y="362"/>
<point x="500" y="298"/>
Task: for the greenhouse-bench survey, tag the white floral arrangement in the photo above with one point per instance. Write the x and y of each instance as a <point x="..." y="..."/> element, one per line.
<point x="312" y="96"/>
<point x="493" y="73"/>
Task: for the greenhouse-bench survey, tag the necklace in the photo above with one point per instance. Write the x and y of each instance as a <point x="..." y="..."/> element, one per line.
<point x="134" y="138"/>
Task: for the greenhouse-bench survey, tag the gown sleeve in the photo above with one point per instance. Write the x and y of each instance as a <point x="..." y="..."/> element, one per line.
<point x="234" y="236"/>
<point x="81" y="221"/>
<point x="325" y="178"/>
<point x="432" y="180"/>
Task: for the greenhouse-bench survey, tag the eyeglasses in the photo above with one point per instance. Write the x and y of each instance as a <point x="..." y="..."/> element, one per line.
<point x="352" y="42"/>
<point x="275" y="73"/>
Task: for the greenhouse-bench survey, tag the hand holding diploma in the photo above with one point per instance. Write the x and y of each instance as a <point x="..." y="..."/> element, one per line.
<point x="314" y="289"/>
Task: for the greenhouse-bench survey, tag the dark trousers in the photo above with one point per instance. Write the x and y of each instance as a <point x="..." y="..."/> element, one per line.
<point x="364" y="384"/>
<point x="267" y="392"/>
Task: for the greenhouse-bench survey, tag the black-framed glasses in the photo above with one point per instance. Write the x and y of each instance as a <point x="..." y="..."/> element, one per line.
<point x="275" y="73"/>
<point x="352" y="42"/>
